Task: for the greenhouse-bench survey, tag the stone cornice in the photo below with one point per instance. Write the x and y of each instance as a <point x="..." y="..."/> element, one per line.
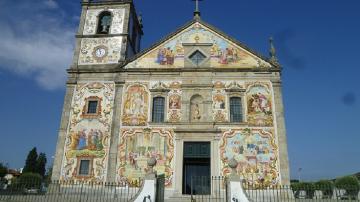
<point x="105" y="2"/>
<point x="113" y="68"/>
<point x="80" y="36"/>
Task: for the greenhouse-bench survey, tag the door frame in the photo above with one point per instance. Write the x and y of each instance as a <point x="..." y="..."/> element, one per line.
<point x="187" y="136"/>
<point x="184" y="159"/>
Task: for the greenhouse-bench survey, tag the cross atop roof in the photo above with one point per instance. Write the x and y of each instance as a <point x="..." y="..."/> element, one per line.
<point x="197" y="10"/>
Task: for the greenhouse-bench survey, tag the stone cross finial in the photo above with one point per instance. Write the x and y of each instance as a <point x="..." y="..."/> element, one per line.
<point x="151" y="162"/>
<point x="273" y="57"/>
<point x="233" y="165"/>
<point x="140" y="19"/>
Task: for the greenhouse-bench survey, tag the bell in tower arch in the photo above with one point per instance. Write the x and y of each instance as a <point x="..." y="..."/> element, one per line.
<point x="104" y="23"/>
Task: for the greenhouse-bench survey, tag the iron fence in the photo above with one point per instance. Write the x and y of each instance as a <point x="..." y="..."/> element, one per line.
<point x="214" y="189"/>
<point x="69" y="191"/>
<point x="204" y="188"/>
<point x="289" y="193"/>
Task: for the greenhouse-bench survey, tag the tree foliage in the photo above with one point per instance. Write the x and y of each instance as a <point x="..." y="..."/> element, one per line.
<point x="350" y="184"/>
<point x="308" y="187"/>
<point x="326" y="187"/>
<point x="35" y="163"/>
<point x="41" y="164"/>
<point x="3" y="170"/>
<point x="31" y="162"/>
<point x="48" y="175"/>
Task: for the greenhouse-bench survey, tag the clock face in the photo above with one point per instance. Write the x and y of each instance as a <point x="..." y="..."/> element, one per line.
<point x="100" y="52"/>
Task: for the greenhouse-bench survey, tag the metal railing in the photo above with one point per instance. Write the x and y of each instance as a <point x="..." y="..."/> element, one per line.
<point x="204" y="188"/>
<point x="289" y="193"/>
<point x="69" y="191"/>
<point x="214" y="189"/>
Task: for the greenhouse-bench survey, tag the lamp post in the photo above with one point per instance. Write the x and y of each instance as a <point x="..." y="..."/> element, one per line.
<point x="299" y="173"/>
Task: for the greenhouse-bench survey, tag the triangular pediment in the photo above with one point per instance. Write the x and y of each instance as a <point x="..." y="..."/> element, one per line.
<point x="220" y="50"/>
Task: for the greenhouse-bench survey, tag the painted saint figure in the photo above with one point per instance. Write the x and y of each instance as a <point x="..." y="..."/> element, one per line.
<point x="82" y="144"/>
<point x="219" y="102"/>
<point x="165" y="56"/>
<point x="174" y="102"/>
<point x="196" y="112"/>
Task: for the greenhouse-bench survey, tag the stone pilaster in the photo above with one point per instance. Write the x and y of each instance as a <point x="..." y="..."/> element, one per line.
<point x="115" y="133"/>
<point x="281" y="132"/>
<point x="179" y="145"/>
<point x="65" y="118"/>
<point x="78" y="40"/>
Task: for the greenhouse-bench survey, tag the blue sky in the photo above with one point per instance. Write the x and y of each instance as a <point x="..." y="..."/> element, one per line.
<point x="317" y="43"/>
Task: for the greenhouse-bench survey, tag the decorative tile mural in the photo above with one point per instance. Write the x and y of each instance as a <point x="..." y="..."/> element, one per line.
<point x="88" y="138"/>
<point x="219" y="98"/>
<point x="174" y="97"/>
<point x="259" y="104"/>
<point x="117" y="22"/>
<point x="255" y="150"/>
<point x="173" y="89"/>
<point x="100" y="51"/>
<point x="224" y="53"/>
<point x="135" y="104"/>
<point x="137" y="146"/>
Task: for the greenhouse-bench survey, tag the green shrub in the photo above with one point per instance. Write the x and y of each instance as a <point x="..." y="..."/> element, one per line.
<point x="308" y="187"/>
<point x="295" y="187"/>
<point x="350" y="184"/>
<point x="326" y="186"/>
<point x="28" y="180"/>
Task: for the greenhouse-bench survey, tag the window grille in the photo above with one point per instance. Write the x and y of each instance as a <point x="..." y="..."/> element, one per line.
<point x="92" y="107"/>
<point x="158" y="109"/>
<point x="235" y="109"/>
<point x="84" y="167"/>
<point x="197" y="57"/>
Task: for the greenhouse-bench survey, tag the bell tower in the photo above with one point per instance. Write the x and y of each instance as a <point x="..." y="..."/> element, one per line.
<point x="110" y="32"/>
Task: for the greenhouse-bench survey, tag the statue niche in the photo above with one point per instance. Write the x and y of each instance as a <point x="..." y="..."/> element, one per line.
<point x="196" y="108"/>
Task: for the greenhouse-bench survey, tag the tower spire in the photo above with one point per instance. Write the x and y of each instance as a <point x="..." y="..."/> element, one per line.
<point x="197" y="10"/>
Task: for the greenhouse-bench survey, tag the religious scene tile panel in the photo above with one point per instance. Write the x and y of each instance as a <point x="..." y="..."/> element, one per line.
<point x="259" y="104"/>
<point x="135" y="104"/>
<point x="88" y="137"/>
<point x="137" y="146"/>
<point x="255" y="150"/>
<point x="224" y="53"/>
<point x="100" y="51"/>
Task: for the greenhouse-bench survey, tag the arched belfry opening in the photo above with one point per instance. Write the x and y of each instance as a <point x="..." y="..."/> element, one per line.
<point x="104" y="22"/>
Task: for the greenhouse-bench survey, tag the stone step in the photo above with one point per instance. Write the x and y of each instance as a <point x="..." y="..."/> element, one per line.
<point x="179" y="199"/>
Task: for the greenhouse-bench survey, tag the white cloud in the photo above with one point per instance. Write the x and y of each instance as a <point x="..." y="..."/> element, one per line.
<point x="39" y="46"/>
<point x="51" y="4"/>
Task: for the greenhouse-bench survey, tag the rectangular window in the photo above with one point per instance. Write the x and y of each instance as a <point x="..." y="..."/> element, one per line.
<point x="84" y="167"/>
<point x="158" y="109"/>
<point x="92" y="107"/>
<point x="235" y="109"/>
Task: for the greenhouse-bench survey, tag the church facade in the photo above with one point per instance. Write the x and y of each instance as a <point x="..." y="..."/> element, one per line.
<point x="195" y="100"/>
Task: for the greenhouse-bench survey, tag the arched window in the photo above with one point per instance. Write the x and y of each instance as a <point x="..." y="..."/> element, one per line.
<point x="158" y="110"/>
<point x="104" y="23"/>
<point x="235" y="109"/>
